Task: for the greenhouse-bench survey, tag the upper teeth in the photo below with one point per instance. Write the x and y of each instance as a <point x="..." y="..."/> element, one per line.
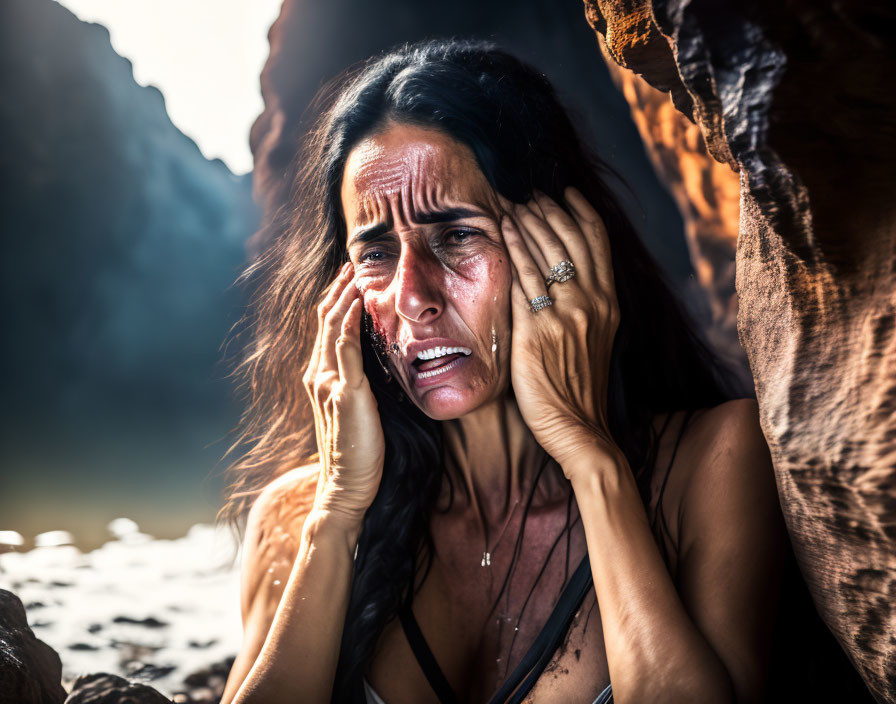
<point x="434" y="352"/>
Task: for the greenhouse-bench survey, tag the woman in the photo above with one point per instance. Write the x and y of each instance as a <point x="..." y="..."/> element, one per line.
<point x="527" y="478"/>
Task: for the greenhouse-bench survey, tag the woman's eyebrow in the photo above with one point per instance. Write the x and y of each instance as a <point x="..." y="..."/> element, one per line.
<point x="367" y="234"/>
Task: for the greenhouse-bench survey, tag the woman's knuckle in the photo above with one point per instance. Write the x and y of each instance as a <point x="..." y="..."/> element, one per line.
<point x="580" y="318"/>
<point x="323" y="385"/>
<point x="615" y="316"/>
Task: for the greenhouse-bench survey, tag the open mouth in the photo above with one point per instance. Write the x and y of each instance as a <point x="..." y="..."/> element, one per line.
<point x="438" y="360"/>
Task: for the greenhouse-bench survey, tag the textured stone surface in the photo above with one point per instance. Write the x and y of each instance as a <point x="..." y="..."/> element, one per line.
<point x="103" y="688"/>
<point x="30" y="670"/>
<point x="797" y="97"/>
<point x="707" y="193"/>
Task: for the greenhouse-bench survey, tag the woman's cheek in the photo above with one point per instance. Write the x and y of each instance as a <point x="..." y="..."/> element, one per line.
<point x="482" y="282"/>
<point x="374" y="308"/>
<point x="476" y="278"/>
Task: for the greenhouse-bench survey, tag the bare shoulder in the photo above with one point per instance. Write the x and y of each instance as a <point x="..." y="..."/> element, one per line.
<point x="270" y="545"/>
<point x="273" y="531"/>
<point x="729" y="477"/>
<point x="726" y="446"/>
<point x="721" y="463"/>
<point x="285" y="499"/>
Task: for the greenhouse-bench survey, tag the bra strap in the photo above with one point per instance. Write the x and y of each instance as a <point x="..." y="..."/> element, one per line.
<point x="425" y="657"/>
<point x="548" y="640"/>
<point x="524" y="676"/>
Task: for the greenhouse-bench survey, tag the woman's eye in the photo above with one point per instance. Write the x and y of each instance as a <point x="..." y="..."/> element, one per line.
<point x="372" y="256"/>
<point x="460" y="236"/>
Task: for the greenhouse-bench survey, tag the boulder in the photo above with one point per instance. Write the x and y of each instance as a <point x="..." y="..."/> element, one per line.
<point x="103" y="688"/>
<point x="797" y="99"/>
<point x="30" y="670"/>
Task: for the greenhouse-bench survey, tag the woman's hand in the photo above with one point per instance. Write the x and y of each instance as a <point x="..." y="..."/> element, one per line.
<point x="560" y="355"/>
<point x="350" y="438"/>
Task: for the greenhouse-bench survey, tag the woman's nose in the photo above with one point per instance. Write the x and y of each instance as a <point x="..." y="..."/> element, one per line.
<point x="418" y="296"/>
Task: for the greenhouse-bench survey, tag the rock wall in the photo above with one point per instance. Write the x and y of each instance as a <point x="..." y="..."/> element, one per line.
<point x="797" y="98"/>
<point x="707" y="193"/>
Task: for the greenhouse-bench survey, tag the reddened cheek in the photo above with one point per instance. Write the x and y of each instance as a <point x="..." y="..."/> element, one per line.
<point x="377" y="324"/>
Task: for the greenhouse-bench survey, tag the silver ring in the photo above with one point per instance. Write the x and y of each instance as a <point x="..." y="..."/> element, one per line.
<point x="563" y="271"/>
<point x="540" y="302"/>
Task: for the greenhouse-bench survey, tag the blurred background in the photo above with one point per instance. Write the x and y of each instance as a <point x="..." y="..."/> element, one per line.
<point x="133" y="131"/>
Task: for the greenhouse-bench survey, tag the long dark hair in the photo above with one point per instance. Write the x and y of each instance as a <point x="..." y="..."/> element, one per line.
<point x="509" y="115"/>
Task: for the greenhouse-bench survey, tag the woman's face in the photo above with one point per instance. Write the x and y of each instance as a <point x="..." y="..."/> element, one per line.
<point x="430" y="262"/>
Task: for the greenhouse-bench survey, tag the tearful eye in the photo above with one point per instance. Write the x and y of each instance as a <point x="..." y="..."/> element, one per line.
<point x="460" y="236"/>
<point x="372" y="257"/>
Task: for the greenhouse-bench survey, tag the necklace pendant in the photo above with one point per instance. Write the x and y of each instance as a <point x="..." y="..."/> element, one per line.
<point x="486" y="559"/>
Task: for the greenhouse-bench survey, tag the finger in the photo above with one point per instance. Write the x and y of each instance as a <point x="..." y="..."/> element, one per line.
<point x="570" y="232"/>
<point x="330" y="297"/>
<point x="348" y="346"/>
<point x="529" y="274"/>
<point x="534" y="206"/>
<point x="595" y="232"/>
<point x="519" y="303"/>
<point x="311" y="378"/>
<point x="531" y="244"/>
<point x="547" y="243"/>
<point x="509" y="208"/>
<point x="333" y="327"/>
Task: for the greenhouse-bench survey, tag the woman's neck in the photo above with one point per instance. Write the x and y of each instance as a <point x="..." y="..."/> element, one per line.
<point x="494" y="460"/>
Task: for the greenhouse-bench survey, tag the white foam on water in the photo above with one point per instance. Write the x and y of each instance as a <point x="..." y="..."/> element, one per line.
<point x="10" y="537"/>
<point x="185" y="587"/>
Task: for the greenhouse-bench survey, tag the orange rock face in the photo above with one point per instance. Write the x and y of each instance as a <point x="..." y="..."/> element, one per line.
<point x="707" y="193"/>
<point x="797" y="98"/>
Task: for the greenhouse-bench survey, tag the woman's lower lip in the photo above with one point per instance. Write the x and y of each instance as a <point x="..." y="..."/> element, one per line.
<point x="436" y="376"/>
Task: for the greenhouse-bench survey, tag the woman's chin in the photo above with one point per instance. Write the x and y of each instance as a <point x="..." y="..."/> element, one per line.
<point x="447" y="403"/>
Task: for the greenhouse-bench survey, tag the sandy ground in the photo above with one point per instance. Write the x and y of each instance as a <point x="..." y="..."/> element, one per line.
<point x="150" y="610"/>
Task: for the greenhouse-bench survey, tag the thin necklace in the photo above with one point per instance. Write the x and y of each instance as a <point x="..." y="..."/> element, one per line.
<point x="487" y="554"/>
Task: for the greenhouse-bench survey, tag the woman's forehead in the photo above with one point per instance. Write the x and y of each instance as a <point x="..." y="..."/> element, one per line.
<point x="409" y="169"/>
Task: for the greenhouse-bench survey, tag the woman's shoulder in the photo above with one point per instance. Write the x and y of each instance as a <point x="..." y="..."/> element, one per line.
<point x="725" y="446"/>
<point x="287" y="493"/>
<point x="274" y="529"/>
<point x="282" y="505"/>
<point x="697" y="439"/>
<point x="710" y="459"/>
<point x="724" y="468"/>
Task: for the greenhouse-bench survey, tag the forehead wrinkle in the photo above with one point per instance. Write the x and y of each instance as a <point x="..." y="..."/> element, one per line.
<point x="413" y="178"/>
<point x="372" y="208"/>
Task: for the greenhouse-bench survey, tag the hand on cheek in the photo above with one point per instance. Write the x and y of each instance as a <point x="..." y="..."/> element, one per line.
<point x="560" y="354"/>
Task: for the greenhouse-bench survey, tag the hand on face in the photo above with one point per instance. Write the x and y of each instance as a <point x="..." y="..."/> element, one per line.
<point x="350" y="438"/>
<point x="560" y="355"/>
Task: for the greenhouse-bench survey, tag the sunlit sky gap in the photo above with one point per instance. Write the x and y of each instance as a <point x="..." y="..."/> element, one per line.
<point x="204" y="55"/>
